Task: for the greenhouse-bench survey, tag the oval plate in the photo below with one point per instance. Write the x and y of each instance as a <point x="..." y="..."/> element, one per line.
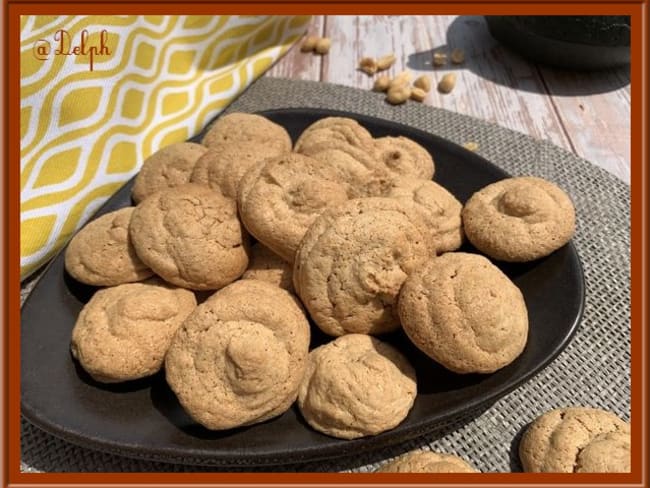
<point x="143" y="419"/>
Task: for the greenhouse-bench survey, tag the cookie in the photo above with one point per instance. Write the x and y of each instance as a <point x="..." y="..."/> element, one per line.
<point x="239" y="357"/>
<point x="576" y="440"/>
<point x="464" y="313"/>
<point x="242" y="129"/>
<point x="519" y="219"/>
<point x="223" y="166"/>
<point x="170" y="166"/>
<point x="356" y="386"/>
<point x="123" y="332"/>
<point x="101" y="253"/>
<point x="267" y="266"/>
<point x="439" y="208"/>
<point x="279" y="200"/>
<point x="190" y="236"/>
<point x="354" y="166"/>
<point x="426" y="462"/>
<point x="329" y="129"/>
<point x="353" y="260"/>
<point x="402" y="156"/>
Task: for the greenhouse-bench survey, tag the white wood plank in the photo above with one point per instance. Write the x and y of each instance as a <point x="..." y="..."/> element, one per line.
<point x="298" y="65"/>
<point x="595" y="111"/>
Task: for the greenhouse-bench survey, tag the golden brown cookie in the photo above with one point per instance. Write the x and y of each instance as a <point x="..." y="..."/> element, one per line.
<point x="519" y="219"/>
<point x="354" y="166"/>
<point x="402" y="156"/>
<point x="353" y="260"/>
<point x="123" y="332"/>
<point x="576" y="440"/>
<point x="438" y="207"/>
<point x="240" y="357"/>
<point x="463" y="312"/>
<point x="242" y="129"/>
<point x="101" y="253"/>
<point x="267" y="266"/>
<point x="190" y="236"/>
<point x="223" y="166"/>
<point x="279" y="200"/>
<point x="356" y="386"/>
<point x="334" y="129"/>
<point x="426" y="462"/>
<point x="168" y="167"/>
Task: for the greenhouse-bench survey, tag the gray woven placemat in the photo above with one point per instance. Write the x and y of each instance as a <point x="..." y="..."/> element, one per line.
<point x="592" y="371"/>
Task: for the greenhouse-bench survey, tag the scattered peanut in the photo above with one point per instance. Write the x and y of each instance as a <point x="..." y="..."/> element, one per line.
<point x="457" y="56"/>
<point x="309" y="44"/>
<point x="471" y="146"/>
<point x="323" y="45"/>
<point x="447" y="83"/>
<point x="368" y="65"/>
<point x="418" y="94"/>
<point x="423" y="82"/>
<point x="398" y="94"/>
<point x="381" y="84"/>
<point x="385" y="62"/>
<point x="439" y="59"/>
<point x="400" y="79"/>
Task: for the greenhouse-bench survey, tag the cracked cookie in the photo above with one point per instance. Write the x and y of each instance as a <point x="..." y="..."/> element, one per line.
<point x="519" y="219"/>
<point x="353" y="165"/>
<point x="330" y="130"/>
<point x="356" y="386"/>
<point x="463" y="312"/>
<point x="279" y="200"/>
<point x="439" y="208"/>
<point x="576" y="440"/>
<point x="353" y="260"/>
<point x="223" y="166"/>
<point x="426" y="462"/>
<point x="402" y="156"/>
<point x="190" y="236"/>
<point x="239" y="358"/>
<point x="242" y="129"/>
<point x="267" y="266"/>
<point x="123" y="332"/>
<point x="101" y="253"/>
<point x="170" y="166"/>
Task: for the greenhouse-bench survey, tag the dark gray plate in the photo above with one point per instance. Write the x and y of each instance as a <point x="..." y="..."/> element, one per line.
<point x="143" y="419"/>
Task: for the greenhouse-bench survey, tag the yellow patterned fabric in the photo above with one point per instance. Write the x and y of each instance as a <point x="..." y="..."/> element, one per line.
<point x="99" y="94"/>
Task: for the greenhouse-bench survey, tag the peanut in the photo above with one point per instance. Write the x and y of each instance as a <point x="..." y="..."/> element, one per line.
<point x="471" y="146"/>
<point x="400" y="79"/>
<point x="423" y="82"/>
<point x="457" y="56"/>
<point x="398" y="94"/>
<point x="368" y="65"/>
<point x="309" y="44"/>
<point x="418" y="94"/>
<point x="385" y="62"/>
<point x="381" y="84"/>
<point x="323" y="45"/>
<point x="439" y="59"/>
<point x="447" y="83"/>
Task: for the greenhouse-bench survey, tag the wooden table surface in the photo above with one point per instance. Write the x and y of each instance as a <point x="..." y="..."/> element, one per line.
<point x="585" y="113"/>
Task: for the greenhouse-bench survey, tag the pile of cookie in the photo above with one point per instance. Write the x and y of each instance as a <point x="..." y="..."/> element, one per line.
<point x="352" y="233"/>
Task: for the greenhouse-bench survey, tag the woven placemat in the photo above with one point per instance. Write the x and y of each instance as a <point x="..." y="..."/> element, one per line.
<point x="594" y="370"/>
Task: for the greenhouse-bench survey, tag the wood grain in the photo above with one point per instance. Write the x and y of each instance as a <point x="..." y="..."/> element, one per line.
<point x="298" y="65"/>
<point x="585" y="113"/>
<point x="595" y="112"/>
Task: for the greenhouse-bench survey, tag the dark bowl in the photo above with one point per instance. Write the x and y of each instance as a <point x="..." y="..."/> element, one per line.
<point x="570" y="42"/>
